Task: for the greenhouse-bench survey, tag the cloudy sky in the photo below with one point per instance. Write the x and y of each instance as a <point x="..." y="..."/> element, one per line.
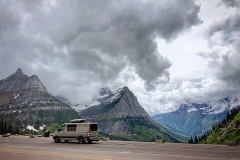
<point x="166" y="51"/>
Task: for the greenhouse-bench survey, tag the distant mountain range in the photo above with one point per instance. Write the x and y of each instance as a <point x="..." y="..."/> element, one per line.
<point x="25" y="101"/>
<point x="195" y="118"/>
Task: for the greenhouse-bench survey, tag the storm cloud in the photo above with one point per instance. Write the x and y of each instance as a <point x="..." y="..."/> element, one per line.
<point x="125" y="31"/>
<point x="76" y="47"/>
<point x="231" y="3"/>
<point x="224" y="39"/>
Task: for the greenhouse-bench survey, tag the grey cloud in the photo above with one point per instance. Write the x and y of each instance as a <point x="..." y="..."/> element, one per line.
<point x="93" y="40"/>
<point x="225" y="61"/>
<point x="230" y="70"/>
<point x="231" y="3"/>
<point x="229" y="29"/>
<point x="103" y="66"/>
<point x="123" y="29"/>
<point x="9" y="21"/>
<point x="32" y="5"/>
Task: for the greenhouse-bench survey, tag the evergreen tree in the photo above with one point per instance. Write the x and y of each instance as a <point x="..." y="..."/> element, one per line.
<point x="1" y="126"/>
<point x="5" y="127"/>
<point x="195" y="140"/>
<point x="227" y="116"/>
<point x="190" y="141"/>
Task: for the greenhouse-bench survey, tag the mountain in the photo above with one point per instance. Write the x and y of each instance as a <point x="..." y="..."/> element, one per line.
<point x="25" y="101"/>
<point x="19" y="82"/>
<point x="227" y="131"/>
<point x="195" y="118"/>
<point x="120" y="116"/>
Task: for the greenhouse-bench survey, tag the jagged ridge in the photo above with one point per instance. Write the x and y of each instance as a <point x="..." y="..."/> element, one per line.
<point x="21" y="82"/>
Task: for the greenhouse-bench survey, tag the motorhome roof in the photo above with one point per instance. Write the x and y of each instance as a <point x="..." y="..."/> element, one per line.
<point x="78" y="120"/>
<point x="80" y="123"/>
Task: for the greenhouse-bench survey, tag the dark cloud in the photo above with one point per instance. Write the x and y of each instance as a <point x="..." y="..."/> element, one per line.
<point x="90" y="42"/>
<point x="120" y="29"/>
<point x="231" y="3"/>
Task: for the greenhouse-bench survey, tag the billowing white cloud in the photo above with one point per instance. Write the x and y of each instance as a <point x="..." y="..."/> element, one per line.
<point x="224" y="40"/>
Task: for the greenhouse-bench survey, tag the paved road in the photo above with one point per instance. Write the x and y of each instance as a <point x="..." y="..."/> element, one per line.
<point x="25" y="148"/>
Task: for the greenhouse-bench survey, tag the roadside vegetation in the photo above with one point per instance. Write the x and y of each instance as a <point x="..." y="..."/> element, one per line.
<point x="7" y="128"/>
<point x="227" y="131"/>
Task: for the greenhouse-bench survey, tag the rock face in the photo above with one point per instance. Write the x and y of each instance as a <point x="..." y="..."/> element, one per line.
<point x="122" y="103"/>
<point x="34" y="83"/>
<point x="195" y="118"/>
<point x="20" y="82"/>
<point x="24" y="100"/>
<point x="120" y="116"/>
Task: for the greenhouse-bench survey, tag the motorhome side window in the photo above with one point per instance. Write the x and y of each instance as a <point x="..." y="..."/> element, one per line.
<point x="62" y="128"/>
<point x="93" y="127"/>
<point x="71" y="127"/>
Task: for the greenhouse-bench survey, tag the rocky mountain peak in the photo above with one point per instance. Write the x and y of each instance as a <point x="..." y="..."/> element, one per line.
<point x="21" y="82"/>
<point x="125" y="88"/>
<point x="105" y="91"/>
<point x="121" y="103"/>
<point x="34" y="77"/>
<point x="120" y="113"/>
<point x="34" y="83"/>
<point x="24" y="100"/>
<point x="19" y="72"/>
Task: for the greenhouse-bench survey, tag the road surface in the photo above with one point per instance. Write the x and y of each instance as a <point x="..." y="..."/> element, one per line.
<point x="25" y="148"/>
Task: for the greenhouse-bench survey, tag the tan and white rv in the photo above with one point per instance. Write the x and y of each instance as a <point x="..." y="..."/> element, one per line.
<point x="78" y="129"/>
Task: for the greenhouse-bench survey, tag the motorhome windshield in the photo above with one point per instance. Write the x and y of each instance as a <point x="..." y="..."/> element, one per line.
<point x="93" y="127"/>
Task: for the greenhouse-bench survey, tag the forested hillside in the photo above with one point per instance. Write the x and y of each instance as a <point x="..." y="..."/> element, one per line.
<point x="226" y="131"/>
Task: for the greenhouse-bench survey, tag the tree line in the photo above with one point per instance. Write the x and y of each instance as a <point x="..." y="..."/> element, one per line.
<point x="7" y="127"/>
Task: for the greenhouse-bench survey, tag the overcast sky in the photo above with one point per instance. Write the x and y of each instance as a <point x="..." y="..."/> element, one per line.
<point x="166" y="51"/>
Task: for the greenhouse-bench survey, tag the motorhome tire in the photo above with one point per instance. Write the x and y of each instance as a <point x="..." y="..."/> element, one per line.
<point x="56" y="139"/>
<point x="80" y="140"/>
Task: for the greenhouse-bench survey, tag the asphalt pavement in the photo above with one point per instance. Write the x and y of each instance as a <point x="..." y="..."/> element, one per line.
<point x="25" y="148"/>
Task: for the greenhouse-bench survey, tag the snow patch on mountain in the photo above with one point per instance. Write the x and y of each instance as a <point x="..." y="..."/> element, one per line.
<point x="94" y="103"/>
<point x="106" y="96"/>
<point x="192" y="110"/>
<point x="29" y="127"/>
<point x="79" y="108"/>
<point x="103" y="96"/>
<point x="17" y="96"/>
<point x="114" y="97"/>
<point x="42" y="127"/>
<point x="212" y="107"/>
